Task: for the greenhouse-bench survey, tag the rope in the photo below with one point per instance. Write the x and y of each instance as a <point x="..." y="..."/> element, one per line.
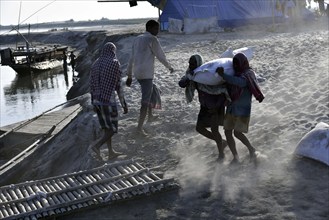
<point x="37" y="11"/>
<point x="19" y="23"/>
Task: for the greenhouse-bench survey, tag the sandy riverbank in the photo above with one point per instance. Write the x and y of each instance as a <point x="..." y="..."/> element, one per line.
<point x="294" y="62"/>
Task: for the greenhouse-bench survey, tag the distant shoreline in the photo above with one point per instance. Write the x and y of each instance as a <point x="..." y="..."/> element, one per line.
<point x="71" y="23"/>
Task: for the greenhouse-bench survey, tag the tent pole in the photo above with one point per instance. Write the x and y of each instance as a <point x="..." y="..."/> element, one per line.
<point x="159" y="19"/>
<point x="297" y="12"/>
<point x="273" y="8"/>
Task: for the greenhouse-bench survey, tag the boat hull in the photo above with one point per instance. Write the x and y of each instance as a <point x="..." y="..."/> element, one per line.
<point x="22" y="69"/>
<point x="30" y="60"/>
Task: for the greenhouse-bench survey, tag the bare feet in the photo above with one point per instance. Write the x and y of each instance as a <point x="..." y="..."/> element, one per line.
<point x="221" y="157"/>
<point x="114" y="154"/>
<point x="253" y="155"/>
<point x="97" y="152"/>
<point x="141" y="132"/>
<point x="234" y="162"/>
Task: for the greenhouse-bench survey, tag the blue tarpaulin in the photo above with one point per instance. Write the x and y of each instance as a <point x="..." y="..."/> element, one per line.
<point x="229" y="13"/>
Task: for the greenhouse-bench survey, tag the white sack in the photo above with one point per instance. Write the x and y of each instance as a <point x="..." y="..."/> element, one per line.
<point x="206" y="73"/>
<point x="229" y="53"/>
<point x="315" y="144"/>
<point x="246" y="50"/>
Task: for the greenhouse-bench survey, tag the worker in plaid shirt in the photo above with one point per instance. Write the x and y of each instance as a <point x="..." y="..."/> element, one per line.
<point x="105" y="82"/>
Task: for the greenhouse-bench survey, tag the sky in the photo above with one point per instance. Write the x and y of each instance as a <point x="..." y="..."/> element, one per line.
<point x="39" y="11"/>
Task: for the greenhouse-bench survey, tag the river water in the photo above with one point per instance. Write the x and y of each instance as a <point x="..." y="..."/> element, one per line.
<point x="24" y="97"/>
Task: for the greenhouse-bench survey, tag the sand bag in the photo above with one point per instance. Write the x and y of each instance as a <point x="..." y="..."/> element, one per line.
<point x="315" y="144"/>
<point x="206" y="73"/>
<point x="229" y="53"/>
<point x="246" y="51"/>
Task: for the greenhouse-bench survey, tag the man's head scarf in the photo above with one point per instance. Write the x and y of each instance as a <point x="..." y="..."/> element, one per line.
<point x="199" y="59"/>
<point x="240" y="63"/>
<point x="242" y="69"/>
<point x="108" y="51"/>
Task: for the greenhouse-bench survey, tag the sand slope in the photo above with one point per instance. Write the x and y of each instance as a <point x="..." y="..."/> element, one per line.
<point x="294" y="62"/>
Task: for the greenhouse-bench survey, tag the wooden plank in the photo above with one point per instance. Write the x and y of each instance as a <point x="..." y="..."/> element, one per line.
<point x="58" y="112"/>
<point x="61" y="119"/>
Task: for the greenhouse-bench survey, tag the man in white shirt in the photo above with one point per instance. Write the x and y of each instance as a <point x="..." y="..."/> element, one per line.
<point x="144" y="50"/>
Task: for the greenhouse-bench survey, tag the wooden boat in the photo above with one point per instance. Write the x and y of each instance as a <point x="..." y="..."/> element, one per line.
<point x="26" y="59"/>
